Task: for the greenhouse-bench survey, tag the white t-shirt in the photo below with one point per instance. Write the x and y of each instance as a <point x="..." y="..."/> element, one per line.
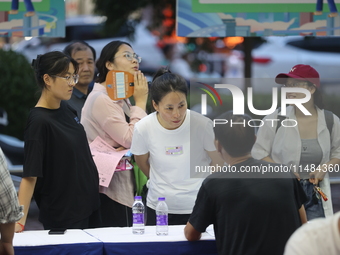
<point x="319" y="236"/>
<point x="172" y="153"/>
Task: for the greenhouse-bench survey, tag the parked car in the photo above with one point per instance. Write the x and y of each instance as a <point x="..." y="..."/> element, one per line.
<point x="279" y="54"/>
<point x="88" y="28"/>
<point x="12" y="147"/>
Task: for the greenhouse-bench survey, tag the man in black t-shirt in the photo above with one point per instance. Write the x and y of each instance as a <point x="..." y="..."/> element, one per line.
<point x="253" y="211"/>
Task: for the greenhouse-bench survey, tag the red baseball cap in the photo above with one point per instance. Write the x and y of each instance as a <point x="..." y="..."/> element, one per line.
<point x="300" y="72"/>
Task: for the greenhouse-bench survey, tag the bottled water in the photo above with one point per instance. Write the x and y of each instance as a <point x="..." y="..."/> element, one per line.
<point x="138" y="216"/>
<point x="161" y="217"/>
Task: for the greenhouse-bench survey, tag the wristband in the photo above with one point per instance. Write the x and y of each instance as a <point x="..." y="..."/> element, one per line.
<point x="22" y="226"/>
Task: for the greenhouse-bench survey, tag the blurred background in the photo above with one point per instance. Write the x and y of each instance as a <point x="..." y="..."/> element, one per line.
<point x="150" y="27"/>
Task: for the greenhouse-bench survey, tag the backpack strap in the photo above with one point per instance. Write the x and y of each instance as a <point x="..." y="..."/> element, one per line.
<point x="329" y="121"/>
<point x="280" y="117"/>
<point x="328" y="118"/>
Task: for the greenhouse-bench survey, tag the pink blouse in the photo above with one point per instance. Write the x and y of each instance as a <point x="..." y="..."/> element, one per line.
<point x="101" y="116"/>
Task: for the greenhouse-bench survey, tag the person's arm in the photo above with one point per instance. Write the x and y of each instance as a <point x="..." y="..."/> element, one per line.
<point x="202" y="215"/>
<point x="215" y="157"/>
<point x="191" y="234"/>
<point x="111" y="119"/>
<point x="302" y="213"/>
<point x="210" y="146"/>
<point x="141" y="90"/>
<point x="143" y="163"/>
<point x="26" y="190"/>
<point x="322" y="169"/>
<point x="268" y="159"/>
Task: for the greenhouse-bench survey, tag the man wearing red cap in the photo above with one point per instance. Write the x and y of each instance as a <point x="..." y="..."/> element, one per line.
<point x="310" y="148"/>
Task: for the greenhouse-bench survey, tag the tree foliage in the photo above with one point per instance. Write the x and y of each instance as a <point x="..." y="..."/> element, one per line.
<point x="17" y="90"/>
<point x="119" y="13"/>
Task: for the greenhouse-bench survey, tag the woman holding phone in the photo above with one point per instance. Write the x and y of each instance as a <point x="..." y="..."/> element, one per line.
<point x="113" y="121"/>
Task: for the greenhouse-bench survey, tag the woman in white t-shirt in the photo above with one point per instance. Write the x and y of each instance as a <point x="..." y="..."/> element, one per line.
<point x="170" y="145"/>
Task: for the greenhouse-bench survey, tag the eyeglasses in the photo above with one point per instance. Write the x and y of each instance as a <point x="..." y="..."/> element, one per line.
<point x="129" y="56"/>
<point x="294" y="84"/>
<point x="69" y="78"/>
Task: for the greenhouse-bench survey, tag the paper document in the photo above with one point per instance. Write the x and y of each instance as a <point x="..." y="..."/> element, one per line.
<point x="210" y="230"/>
<point x="106" y="159"/>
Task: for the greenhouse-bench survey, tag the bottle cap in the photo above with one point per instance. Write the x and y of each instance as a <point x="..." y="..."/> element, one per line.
<point x="161" y="199"/>
<point x="138" y="197"/>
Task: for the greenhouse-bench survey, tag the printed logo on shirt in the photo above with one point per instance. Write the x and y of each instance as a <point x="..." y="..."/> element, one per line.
<point x="174" y="150"/>
<point x="77" y="119"/>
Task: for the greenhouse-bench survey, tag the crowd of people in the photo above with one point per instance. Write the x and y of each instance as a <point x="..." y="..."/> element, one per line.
<point x="252" y="213"/>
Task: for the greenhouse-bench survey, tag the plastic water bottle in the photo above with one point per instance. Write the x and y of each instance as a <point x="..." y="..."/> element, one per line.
<point x="161" y="217"/>
<point x="138" y="216"/>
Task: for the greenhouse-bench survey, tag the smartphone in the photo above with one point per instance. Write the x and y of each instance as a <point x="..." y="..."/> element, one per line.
<point x="57" y="231"/>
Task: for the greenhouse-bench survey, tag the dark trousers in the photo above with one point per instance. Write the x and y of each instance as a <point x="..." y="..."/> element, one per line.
<point x="331" y="5"/>
<point x="313" y="209"/>
<point x="173" y="219"/>
<point x="28" y="4"/>
<point x="114" y="214"/>
<point x="93" y="221"/>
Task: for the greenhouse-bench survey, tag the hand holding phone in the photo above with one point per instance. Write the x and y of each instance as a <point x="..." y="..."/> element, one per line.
<point x="119" y="84"/>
